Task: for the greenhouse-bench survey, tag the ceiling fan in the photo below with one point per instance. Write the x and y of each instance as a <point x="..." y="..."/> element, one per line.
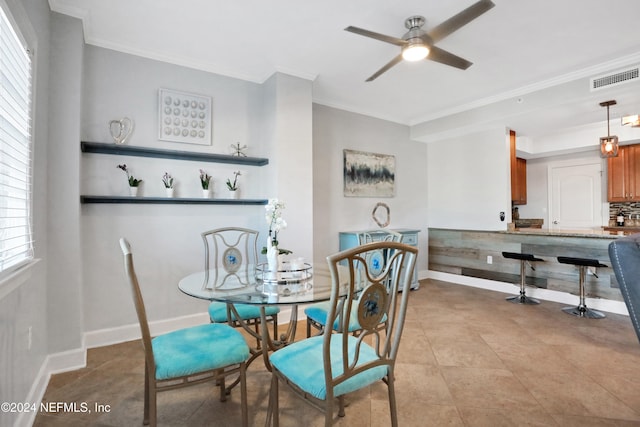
<point x="418" y="44"/>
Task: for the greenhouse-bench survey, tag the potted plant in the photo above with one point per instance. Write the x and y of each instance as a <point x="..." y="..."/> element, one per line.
<point x="233" y="186"/>
<point x="133" y="182"/>
<point x="205" y="180"/>
<point x="167" y="180"/>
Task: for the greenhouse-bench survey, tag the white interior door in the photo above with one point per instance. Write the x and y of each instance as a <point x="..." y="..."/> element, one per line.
<point x="575" y="194"/>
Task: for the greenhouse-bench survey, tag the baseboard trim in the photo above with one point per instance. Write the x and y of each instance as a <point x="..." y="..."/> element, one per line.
<point x="77" y="358"/>
<point x="109" y="336"/>
<point x="53" y="364"/>
<point x="611" y="306"/>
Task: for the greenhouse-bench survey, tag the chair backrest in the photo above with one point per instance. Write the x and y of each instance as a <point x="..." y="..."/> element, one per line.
<point x="376" y="260"/>
<point x="138" y="302"/>
<point x="230" y="252"/>
<point x="625" y="260"/>
<point x="381" y="308"/>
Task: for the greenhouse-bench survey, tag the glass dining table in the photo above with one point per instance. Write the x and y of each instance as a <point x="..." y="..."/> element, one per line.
<point x="254" y="284"/>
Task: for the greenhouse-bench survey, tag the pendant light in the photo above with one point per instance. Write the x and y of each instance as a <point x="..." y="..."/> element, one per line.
<point x="609" y="143"/>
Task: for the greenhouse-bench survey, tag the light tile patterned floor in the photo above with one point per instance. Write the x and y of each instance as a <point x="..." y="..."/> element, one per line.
<point x="467" y="358"/>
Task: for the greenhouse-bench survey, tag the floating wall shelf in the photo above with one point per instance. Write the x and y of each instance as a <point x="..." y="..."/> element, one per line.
<point x="127" y="150"/>
<point x="169" y="201"/>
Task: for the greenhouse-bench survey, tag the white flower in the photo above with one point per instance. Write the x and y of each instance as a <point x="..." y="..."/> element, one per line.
<point x="274" y="218"/>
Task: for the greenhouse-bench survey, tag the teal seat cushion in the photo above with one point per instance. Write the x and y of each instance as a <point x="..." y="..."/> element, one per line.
<point x="318" y="313"/>
<point x="218" y="311"/>
<point x="198" y="349"/>
<point x="302" y="363"/>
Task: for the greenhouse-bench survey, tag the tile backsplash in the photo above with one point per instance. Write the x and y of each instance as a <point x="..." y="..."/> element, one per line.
<point x="631" y="212"/>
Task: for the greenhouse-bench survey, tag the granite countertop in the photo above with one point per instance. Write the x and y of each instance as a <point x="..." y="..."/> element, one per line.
<point x="626" y="229"/>
<point x="590" y="233"/>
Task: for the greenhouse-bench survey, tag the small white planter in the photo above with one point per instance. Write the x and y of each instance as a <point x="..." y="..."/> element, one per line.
<point x="206" y="193"/>
<point x="233" y="194"/>
<point x="169" y="192"/>
<point x="133" y="191"/>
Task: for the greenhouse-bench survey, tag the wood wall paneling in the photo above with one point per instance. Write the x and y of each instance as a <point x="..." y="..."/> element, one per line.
<point x="465" y="253"/>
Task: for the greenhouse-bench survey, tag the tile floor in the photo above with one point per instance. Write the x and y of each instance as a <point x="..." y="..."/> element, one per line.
<point x="468" y="358"/>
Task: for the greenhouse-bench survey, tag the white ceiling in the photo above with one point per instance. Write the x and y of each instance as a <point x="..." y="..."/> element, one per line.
<point x="518" y="48"/>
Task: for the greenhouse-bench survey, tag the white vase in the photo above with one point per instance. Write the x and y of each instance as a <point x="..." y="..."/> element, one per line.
<point x="205" y="193"/>
<point x="169" y="192"/>
<point x="233" y="194"/>
<point x="133" y="191"/>
<point x="272" y="259"/>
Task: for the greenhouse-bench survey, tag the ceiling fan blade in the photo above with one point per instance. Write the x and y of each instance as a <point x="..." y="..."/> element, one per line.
<point x="442" y="56"/>
<point x="377" y="36"/>
<point x="461" y="19"/>
<point x="389" y="64"/>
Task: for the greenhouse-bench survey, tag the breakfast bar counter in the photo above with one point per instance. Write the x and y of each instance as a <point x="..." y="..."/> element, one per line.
<point x="600" y="233"/>
<point x="478" y="253"/>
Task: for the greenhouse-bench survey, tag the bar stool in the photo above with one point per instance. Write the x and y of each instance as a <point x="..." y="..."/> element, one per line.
<point x="583" y="263"/>
<point x="523" y="258"/>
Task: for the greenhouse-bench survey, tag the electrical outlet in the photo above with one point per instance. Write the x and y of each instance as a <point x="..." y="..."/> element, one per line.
<point x="29" y="338"/>
<point x="489" y="259"/>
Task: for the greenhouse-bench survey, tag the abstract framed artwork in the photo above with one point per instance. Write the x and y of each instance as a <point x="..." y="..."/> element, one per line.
<point x="368" y="174"/>
<point x="184" y="117"/>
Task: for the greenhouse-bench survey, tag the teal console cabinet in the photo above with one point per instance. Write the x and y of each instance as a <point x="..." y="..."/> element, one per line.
<point x="350" y="239"/>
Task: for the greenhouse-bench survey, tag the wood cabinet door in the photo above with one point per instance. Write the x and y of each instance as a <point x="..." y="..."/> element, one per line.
<point x="521" y="181"/>
<point x="518" y="173"/>
<point x="633" y="172"/>
<point x="616" y="176"/>
<point x="623" y="175"/>
<point x="513" y="166"/>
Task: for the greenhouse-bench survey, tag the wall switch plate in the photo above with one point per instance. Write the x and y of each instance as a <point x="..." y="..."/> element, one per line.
<point x="489" y="259"/>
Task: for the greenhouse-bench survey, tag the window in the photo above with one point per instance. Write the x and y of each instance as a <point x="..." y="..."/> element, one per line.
<point x="16" y="245"/>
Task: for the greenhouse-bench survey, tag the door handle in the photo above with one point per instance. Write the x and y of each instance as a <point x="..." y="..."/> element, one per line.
<point x="555" y="222"/>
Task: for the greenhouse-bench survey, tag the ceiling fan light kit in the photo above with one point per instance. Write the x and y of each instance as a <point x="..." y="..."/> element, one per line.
<point x="418" y="44"/>
<point x="416" y="47"/>
<point x="415" y="52"/>
<point x="609" y="143"/>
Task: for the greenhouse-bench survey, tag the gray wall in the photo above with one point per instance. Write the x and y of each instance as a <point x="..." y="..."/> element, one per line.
<point x="469" y="182"/>
<point x="64" y="270"/>
<point x="335" y="130"/>
<point x="165" y="238"/>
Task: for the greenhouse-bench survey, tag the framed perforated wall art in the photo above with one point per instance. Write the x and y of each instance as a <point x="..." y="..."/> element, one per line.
<point x="184" y="117"/>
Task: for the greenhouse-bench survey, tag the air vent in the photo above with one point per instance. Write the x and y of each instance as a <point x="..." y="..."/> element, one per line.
<point x="615" y="79"/>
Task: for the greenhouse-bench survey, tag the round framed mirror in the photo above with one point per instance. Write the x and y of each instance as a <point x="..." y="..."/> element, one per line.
<point x="381" y="214"/>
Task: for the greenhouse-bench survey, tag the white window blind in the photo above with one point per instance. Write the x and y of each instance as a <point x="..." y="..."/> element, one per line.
<point x="16" y="245"/>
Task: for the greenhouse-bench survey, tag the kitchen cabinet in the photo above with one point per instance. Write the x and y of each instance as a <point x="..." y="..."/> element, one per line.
<point x="519" y="197"/>
<point x="623" y="175"/>
<point x="518" y="173"/>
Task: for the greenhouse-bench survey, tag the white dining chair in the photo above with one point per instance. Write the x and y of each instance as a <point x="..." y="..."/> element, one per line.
<point x="231" y="253"/>
<point x="188" y="356"/>
<point x="317" y="313"/>
<point x="325" y="368"/>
